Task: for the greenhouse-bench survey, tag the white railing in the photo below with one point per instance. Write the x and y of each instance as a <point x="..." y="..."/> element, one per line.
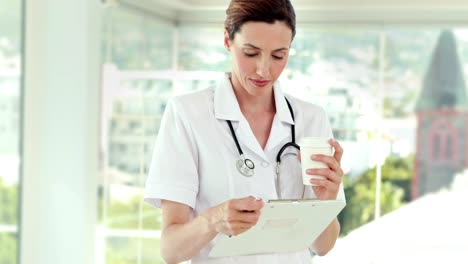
<point x="104" y="232"/>
<point x="9" y="73"/>
<point x="12" y="229"/>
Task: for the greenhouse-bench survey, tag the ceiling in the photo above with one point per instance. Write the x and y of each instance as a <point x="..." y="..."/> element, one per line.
<point x="300" y="4"/>
<point x="318" y="11"/>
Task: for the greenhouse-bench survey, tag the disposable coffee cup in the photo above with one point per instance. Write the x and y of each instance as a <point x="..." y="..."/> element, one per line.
<point x="312" y="146"/>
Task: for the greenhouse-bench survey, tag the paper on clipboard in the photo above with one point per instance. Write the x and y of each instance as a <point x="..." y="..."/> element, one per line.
<point x="284" y="226"/>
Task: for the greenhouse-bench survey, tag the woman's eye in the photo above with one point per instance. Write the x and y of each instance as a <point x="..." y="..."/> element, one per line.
<point x="277" y="57"/>
<point x="250" y="54"/>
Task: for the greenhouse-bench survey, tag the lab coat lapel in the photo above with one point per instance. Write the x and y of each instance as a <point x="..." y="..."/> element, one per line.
<point x="226" y="107"/>
<point x="280" y="131"/>
<point x="281" y="127"/>
<point x="248" y="140"/>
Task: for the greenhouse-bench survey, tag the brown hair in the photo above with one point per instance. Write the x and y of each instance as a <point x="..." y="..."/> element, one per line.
<point x="269" y="11"/>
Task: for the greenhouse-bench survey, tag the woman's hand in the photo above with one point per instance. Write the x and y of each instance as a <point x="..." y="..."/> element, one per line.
<point x="328" y="188"/>
<point x="235" y="216"/>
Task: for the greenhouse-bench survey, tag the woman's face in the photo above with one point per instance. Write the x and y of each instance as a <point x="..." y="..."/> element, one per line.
<point x="259" y="54"/>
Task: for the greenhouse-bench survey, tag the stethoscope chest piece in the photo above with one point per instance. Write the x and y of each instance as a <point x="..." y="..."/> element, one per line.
<point x="245" y="167"/>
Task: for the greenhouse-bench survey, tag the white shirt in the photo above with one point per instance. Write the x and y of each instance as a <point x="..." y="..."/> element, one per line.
<point x="195" y="155"/>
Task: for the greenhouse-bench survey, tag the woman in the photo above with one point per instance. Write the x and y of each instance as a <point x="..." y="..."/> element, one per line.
<point x="193" y="176"/>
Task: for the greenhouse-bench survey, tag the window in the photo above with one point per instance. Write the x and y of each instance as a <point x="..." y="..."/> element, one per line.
<point x="10" y="97"/>
<point x="129" y="229"/>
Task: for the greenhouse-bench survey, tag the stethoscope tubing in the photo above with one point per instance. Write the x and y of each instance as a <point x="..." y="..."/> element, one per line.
<point x="248" y="164"/>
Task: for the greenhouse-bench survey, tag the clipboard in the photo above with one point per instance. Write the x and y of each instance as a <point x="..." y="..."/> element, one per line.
<point x="284" y="226"/>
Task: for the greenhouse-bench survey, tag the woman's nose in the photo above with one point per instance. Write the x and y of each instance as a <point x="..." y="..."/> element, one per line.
<point x="263" y="68"/>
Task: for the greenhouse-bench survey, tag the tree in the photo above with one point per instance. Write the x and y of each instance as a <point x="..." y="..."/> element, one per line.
<point x="9" y="202"/>
<point x="8" y="244"/>
<point x="8" y="216"/>
<point x="360" y="192"/>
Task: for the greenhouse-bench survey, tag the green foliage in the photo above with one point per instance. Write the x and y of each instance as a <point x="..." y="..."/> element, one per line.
<point x="8" y="244"/>
<point x="360" y="192"/>
<point x="8" y="196"/>
<point x="402" y="107"/>
<point x="8" y="216"/>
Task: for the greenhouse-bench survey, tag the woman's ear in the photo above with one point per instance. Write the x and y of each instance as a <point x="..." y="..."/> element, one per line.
<point x="227" y="41"/>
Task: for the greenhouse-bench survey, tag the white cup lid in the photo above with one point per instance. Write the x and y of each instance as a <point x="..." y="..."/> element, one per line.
<point x="314" y="142"/>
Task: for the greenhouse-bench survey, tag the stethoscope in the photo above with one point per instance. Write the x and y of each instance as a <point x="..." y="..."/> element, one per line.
<point x="246" y="166"/>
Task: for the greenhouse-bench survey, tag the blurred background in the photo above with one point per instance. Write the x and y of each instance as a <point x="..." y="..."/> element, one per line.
<point x="83" y="86"/>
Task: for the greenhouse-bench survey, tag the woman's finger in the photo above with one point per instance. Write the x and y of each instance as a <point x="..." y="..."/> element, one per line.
<point x="338" y="150"/>
<point x="327" y="173"/>
<point x="330" y="187"/>
<point x="332" y="163"/>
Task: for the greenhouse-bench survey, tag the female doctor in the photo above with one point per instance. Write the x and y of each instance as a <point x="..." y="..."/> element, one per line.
<point x="216" y="151"/>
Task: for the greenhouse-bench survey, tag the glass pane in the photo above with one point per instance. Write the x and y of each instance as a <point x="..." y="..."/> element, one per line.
<point x="134" y="98"/>
<point x="408" y="53"/>
<point x="426" y="107"/>
<point x="424" y="176"/>
<point x="337" y="69"/>
<point x="10" y="113"/>
<point x="131" y="128"/>
<point x="132" y="40"/>
<point x="202" y="49"/>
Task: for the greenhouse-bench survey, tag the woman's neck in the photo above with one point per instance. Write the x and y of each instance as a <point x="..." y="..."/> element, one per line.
<point x="253" y="103"/>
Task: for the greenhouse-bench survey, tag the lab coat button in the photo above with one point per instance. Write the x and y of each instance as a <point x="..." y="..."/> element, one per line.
<point x="265" y="164"/>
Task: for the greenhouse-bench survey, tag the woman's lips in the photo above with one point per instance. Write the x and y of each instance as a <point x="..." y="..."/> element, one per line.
<point x="260" y="83"/>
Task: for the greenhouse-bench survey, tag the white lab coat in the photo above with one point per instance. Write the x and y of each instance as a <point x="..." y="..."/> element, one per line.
<point x="195" y="155"/>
